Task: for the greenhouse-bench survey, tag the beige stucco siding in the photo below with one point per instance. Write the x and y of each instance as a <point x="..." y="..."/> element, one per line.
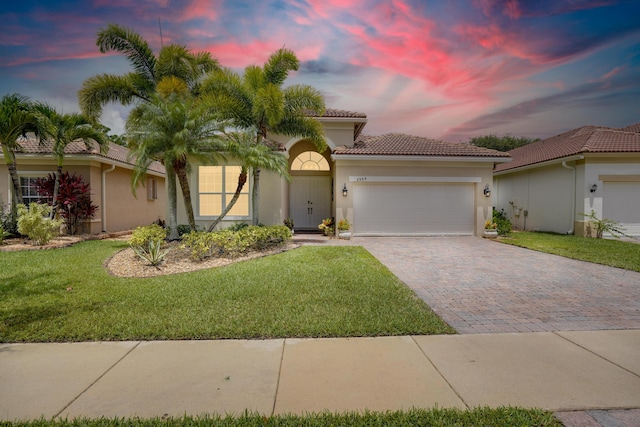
<point x="545" y="193"/>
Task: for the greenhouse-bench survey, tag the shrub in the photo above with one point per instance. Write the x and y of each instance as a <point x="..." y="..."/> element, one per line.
<point x="142" y="236"/>
<point x="153" y="253"/>
<point x="502" y="222"/>
<point x="34" y="222"/>
<point x="8" y="221"/>
<point x="231" y="243"/>
<point x="605" y="225"/>
<point x="237" y="226"/>
<point x="74" y="199"/>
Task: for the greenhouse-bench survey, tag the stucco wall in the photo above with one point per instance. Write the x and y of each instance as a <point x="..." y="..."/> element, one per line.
<point x="545" y="193"/>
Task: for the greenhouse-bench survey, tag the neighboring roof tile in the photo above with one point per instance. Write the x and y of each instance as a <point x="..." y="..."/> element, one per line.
<point x="116" y="152"/>
<point x="587" y="139"/>
<point x="396" y="144"/>
<point x="331" y="112"/>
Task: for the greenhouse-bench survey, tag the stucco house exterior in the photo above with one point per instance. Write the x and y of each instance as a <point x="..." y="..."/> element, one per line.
<point x="550" y="184"/>
<point x="109" y="176"/>
<point x="394" y="184"/>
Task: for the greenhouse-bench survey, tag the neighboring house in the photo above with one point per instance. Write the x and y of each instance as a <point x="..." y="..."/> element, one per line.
<point x="109" y="176"/>
<point x="385" y="185"/>
<point x="550" y="184"/>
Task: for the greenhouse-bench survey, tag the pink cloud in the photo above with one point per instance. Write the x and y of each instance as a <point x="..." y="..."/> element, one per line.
<point x="201" y="9"/>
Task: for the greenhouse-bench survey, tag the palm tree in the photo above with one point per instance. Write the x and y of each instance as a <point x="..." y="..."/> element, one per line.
<point x="148" y="70"/>
<point x="258" y="101"/>
<point x="16" y="119"/>
<point x="241" y="146"/>
<point x="172" y="129"/>
<point x="63" y="129"/>
<point x="141" y="85"/>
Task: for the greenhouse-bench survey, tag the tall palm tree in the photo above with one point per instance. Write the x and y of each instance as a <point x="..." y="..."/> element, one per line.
<point x="241" y="147"/>
<point x="148" y="70"/>
<point x="172" y="129"/>
<point x="258" y="100"/>
<point x="141" y="86"/>
<point x="62" y="130"/>
<point x="17" y="117"/>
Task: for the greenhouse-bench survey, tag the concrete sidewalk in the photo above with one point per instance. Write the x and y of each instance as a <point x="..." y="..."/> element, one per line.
<point x="558" y="371"/>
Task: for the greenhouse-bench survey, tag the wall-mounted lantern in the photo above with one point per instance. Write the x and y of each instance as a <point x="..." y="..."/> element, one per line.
<point x="344" y="190"/>
<point x="487" y="191"/>
<point x="593" y="188"/>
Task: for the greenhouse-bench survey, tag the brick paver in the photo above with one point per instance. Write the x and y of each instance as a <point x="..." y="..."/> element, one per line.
<point x="481" y="286"/>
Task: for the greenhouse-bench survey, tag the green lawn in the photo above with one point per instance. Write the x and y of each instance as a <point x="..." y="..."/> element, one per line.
<point x="305" y="292"/>
<point x="480" y="417"/>
<point x="611" y="252"/>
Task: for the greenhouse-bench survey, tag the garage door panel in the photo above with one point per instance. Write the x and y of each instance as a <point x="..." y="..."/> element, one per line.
<point x="413" y="209"/>
<point x="621" y="202"/>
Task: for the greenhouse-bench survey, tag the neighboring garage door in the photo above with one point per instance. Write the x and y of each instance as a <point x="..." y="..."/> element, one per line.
<point x="622" y="203"/>
<point x="413" y="209"/>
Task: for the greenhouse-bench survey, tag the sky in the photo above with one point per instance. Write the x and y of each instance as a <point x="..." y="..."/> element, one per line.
<point x="448" y="69"/>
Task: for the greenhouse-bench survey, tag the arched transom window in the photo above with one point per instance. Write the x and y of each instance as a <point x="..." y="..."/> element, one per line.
<point x="310" y="161"/>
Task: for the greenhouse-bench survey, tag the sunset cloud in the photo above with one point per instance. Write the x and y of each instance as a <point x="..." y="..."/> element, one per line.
<point x="448" y="69"/>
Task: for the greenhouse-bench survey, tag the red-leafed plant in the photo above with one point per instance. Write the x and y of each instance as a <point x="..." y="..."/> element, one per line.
<point x="74" y="199"/>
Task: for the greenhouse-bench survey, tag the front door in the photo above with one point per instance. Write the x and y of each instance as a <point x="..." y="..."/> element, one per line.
<point x="309" y="201"/>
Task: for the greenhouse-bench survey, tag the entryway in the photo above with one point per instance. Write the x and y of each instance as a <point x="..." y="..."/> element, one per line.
<point x="309" y="201"/>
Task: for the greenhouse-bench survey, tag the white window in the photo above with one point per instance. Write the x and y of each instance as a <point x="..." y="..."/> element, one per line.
<point x="216" y="187"/>
<point x="29" y="191"/>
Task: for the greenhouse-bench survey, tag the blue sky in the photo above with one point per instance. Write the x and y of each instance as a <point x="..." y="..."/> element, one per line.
<point x="449" y="69"/>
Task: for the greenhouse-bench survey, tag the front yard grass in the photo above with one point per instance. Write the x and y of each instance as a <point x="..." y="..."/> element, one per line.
<point x="478" y="417"/>
<point x="67" y="295"/>
<point x="611" y="252"/>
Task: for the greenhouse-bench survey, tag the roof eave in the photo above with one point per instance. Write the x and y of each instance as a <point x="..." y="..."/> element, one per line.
<point x="541" y="164"/>
<point x="364" y="157"/>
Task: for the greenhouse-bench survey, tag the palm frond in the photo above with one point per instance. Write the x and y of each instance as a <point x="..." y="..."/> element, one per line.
<point x="130" y="44"/>
<point x="279" y="64"/>
<point x="99" y="90"/>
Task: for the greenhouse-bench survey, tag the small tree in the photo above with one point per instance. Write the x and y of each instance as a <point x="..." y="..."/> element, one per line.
<point x="74" y="199"/>
<point x="605" y="225"/>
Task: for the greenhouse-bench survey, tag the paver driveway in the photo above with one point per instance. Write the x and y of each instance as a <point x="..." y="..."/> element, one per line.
<point x="480" y="286"/>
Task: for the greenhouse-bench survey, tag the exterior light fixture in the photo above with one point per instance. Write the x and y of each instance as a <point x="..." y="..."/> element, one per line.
<point x="344" y="190"/>
<point x="487" y="191"/>
<point x="593" y="188"/>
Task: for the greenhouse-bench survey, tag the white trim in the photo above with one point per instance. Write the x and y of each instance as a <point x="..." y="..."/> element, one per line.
<point x="456" y="179"/>
<point x="539" y="165"/>
<point x="413" y="157"/>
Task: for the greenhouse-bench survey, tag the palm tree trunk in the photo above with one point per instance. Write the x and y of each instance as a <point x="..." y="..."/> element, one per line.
<point x="181" y="171"/>
<point x="255" y="197"/>
<point x="10" y="159"/>
<point x="242" y="179"/>
<point x="56" y="190"/>
<point x="173" y="204"/>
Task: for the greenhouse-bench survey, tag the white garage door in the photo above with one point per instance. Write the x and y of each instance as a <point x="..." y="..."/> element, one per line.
<point x="622" y="203"/>
<point x="413" y="209"/>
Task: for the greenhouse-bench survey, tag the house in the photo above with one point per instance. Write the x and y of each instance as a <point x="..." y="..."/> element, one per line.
<point x="392" y="184"/>
<point x="109" y="176"/>
<point x="550" y="184"/>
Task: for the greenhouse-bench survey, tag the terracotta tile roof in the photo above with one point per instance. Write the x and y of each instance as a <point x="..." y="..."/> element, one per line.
<point x="587" y="139"/>
<point x="396" y="144"/>
<point x="116" y="152"/>
<point x="331" y="112"/>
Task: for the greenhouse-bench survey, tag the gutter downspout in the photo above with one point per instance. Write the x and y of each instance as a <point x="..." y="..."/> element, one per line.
<point x="104" y="196"/>
<point x="573" y="199"/>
